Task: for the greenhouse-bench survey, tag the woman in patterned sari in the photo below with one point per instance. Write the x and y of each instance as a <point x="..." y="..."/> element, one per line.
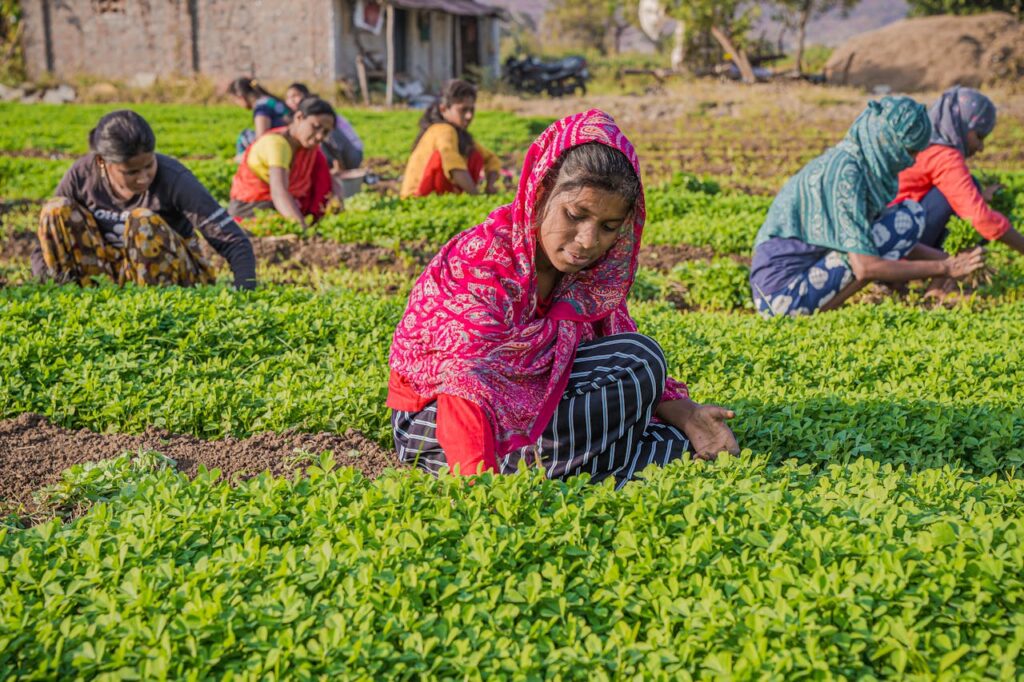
<point x="828" y="233"/>
<point x="517" y="346"/>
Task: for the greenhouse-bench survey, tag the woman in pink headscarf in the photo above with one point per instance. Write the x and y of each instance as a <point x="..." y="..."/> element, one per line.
<point x="517" y="345"/>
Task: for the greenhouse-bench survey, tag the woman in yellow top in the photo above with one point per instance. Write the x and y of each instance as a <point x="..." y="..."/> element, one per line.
<point x="285" y="170"/>
<point x="445" y="158"/>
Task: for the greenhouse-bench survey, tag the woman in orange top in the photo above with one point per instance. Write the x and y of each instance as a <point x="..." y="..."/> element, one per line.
<point x="445" y="158"/>
<point x="285" y="170"/>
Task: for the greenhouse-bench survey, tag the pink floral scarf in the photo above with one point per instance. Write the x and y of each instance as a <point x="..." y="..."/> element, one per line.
<point x="471" y="328"/>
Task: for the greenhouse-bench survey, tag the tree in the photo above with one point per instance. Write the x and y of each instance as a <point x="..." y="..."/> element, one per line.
<point x="598" y="24"/>
<point x="12" y="65"/>
<point x="919" y="8"/>
<point x="796" y="14"/>
<point x="726" y="20"/>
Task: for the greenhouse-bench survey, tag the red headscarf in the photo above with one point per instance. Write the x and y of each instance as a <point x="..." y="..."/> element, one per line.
<point x="471" y="328"/>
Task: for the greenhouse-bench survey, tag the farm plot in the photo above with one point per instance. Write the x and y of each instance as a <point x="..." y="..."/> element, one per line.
<point x="871" y="527"/>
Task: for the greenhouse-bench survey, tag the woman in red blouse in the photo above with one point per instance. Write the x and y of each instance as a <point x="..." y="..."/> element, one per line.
<point x="940" y="180"/>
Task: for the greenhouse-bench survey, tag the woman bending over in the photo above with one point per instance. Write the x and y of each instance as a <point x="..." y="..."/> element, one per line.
<point x="285" y="170"/>
<point x="828" y="232"/>
<point x="125" y="212"/>
<point x="939" y="179"/>
<point x="268" y="111"/>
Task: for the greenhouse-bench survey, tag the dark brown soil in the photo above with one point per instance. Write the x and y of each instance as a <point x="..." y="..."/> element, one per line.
<point x="292" y="252"/>
<point x="316" y="252"/>
<point x="17" y="246"/>
<point x="33" y="452"/>
<point x="664" y="257"/>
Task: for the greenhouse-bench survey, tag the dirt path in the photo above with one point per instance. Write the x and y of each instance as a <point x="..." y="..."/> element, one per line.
<point x="33" y="452"/>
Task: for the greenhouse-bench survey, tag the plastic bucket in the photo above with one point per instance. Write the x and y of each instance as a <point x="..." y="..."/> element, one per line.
<point x="352" y="181"/>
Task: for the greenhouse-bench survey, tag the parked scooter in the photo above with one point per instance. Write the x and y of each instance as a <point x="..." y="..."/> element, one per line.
<point x="556" y="78"/>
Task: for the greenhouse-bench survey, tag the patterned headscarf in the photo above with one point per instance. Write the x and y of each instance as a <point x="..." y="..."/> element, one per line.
<point x="959" y="111"/>
<point x="471" y="328"/>
<point x="884" y="137"/>
<point x="835" y="198"/>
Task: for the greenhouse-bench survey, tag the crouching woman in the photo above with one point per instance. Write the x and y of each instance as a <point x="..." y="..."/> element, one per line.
<point x="828" y="233"/>
<point x="125" y="212"/>
<point x="517" y="345"/>
<point x="284" y="169"/>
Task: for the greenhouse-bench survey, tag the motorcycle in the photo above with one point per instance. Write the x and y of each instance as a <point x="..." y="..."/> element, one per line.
<point x="561" y="77"/>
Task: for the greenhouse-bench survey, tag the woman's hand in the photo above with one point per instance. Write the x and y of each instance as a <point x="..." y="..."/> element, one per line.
<point x="492" y="182"/>
<point x="965" y="263"/>
<point x="704" y="425"/>
<point x="462" y="179"/>
<point x="990" y="191"/>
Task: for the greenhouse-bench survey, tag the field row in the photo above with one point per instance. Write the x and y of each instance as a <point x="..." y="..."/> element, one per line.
<point x="925" y="388"/>
<point x="195" y="132"/>
<point x="732" y="570"/>
<point x="681" y="210"/>
<point x="744" y="148"/>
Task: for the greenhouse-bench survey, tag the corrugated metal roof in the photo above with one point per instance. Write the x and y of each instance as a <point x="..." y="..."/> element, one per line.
<point x="465" y="8"/>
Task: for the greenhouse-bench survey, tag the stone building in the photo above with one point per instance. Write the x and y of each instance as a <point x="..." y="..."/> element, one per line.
<point x="315" y="40"/>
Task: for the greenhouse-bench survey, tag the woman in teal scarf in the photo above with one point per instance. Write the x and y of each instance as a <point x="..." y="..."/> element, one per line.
<point x="828" y="232"/>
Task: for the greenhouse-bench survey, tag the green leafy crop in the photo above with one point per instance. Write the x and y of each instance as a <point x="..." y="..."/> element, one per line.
<point x="734" y="570"/>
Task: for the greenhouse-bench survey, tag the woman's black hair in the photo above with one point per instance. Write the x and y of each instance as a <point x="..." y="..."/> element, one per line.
<point x="314" y="106"/>
<point x="596" y="166"/>
<point x="249" y="89"/>
<point x="453" y="92"/>
<point x="120" y="135"/>
<point x="301" y="87"/>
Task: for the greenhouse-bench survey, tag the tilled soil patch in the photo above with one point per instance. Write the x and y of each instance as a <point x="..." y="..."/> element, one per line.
<point x="17" y="246"/>
<point x="33" y="452"/>
<point x="292" y="252"/>
<point x="664" y="257"/>
<point x="317" y="252"/>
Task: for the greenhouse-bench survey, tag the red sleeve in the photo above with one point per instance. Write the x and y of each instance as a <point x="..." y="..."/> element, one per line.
<point x="952" y="177"/>
<point x="465" y="435"/>
<point x="402" y="396"/>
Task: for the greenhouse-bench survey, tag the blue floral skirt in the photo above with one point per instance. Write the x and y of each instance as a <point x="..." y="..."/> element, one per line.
<point x="895" y="233"/>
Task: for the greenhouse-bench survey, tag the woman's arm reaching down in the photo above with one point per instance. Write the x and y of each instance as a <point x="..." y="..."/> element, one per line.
<point x="869" y="268"/>
<point x="284" y="202"/>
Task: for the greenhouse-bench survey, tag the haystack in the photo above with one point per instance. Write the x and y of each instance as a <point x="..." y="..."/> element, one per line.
<point x="932" y="53"/>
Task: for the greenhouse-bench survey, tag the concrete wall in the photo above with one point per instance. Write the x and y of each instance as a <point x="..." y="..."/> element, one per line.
<point x="291" y="40"/>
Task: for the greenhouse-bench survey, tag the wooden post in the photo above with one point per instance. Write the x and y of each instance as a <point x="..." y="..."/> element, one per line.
<point x="457" y="28"/>
<point x="364" y="87"/>
<point x="389" y="27"/>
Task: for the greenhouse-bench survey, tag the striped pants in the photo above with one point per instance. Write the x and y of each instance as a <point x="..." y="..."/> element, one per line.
<point x="602" y="426"/>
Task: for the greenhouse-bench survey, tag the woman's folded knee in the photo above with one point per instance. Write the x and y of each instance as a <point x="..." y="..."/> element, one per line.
<point x="57" y="206"/>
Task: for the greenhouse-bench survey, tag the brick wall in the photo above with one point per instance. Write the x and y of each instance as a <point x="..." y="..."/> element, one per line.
<point x="308" y="40"/>
<point x="107" y="37"/>
<point x="220" y="38"/>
